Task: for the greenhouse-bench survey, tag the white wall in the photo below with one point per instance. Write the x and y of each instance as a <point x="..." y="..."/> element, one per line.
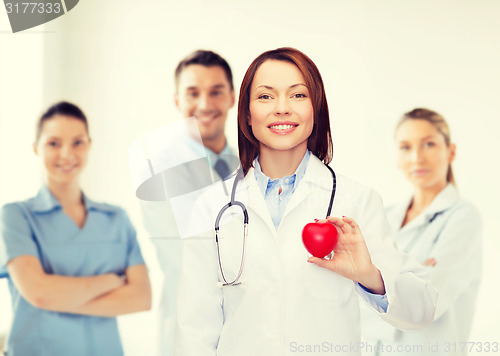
<point x="21" y="83"/>
<point x="378" y="59"/>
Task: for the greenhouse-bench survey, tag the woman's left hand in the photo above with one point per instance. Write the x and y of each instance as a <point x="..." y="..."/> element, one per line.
<point x="351" y="257"/>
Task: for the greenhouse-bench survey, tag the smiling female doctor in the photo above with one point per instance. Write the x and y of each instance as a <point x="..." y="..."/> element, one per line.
<point x="281" y="304"/>
<point x="438" y="228"/>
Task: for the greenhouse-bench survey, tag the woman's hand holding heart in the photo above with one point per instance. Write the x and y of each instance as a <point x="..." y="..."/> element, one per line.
<point x="351" y="257"/>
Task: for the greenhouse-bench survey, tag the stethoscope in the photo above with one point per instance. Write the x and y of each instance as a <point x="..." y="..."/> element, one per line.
<point x="233" y="202"/>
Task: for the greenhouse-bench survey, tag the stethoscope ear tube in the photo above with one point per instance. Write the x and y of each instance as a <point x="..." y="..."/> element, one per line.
<point x="334" y="188"/>
<point x="239" y="176"/>
<point x="245" y="233"/>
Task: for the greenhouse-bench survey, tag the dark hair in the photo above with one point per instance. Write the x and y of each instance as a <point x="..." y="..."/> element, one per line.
<point x="438" y="122"/>
<point x="207" y="59"/>
<point x="60" y="108"/>
<point x="320" y="140"/>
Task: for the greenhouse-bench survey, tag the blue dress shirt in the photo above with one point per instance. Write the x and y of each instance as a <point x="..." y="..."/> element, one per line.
<point x="106" y="244"/>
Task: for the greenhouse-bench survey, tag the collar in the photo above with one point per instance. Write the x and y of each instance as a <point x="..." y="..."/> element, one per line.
<point x="315" y="173"/>
<point x="92" y="205"/>
<point x="202" y="151"/>
<point x="45" y="202"/>
<point x="263" y="180"/>
<point x="442" y="202"/>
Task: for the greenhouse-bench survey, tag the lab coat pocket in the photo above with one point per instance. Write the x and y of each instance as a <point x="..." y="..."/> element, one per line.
<point x="325" y="284"/>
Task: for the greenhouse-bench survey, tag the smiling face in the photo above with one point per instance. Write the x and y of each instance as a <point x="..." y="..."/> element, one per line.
<point x="205" y="93"/>
<point x="281" y="111"/>
<point x="423" y="155"/>
<point x="63" y="148"/>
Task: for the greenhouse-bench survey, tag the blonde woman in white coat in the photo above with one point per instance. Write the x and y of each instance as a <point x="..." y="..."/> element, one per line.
<point x="283" y="304"/>
<point x="439" y="229"/>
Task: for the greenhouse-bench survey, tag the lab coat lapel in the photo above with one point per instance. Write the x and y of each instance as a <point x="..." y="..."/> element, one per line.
<point x="314" y="176"/>
<point x="256" y="201"/>
<point x="300" y="194"/>
<point x="445" y="199"/>
<point x="397" y="213"/>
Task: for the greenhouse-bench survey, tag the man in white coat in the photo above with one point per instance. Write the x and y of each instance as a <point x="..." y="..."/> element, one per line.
<point x="172" y="165"/>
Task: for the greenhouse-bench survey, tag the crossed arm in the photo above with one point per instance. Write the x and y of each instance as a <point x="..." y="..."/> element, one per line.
<point x="105" y="295"/>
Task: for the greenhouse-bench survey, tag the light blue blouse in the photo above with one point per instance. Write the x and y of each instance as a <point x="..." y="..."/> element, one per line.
<point x="106" y="244"/>
<point x="276" y="202"/>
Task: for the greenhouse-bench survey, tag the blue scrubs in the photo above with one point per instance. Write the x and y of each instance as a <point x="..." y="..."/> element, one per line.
<point x="106" y="244"/>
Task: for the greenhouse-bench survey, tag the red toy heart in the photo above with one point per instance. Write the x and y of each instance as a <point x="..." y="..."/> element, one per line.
<point x="319" y="239"/>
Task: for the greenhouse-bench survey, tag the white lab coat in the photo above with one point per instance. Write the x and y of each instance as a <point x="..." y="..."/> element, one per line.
<point x="449" y="230"/>
<point x="166" y="200"/>
<point x="285" y="304"/>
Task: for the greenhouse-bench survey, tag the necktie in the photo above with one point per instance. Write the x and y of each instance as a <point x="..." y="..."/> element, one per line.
<point x="222" y="168"/>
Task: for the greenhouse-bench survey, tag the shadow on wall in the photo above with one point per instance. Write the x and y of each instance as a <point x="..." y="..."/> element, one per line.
<point x="2" y="342"/>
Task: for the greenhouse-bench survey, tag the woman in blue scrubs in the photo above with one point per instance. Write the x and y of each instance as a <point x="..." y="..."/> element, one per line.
<point x="72" y="264"/>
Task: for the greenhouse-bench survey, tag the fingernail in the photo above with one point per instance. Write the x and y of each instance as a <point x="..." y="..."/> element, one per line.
<point x="310" y="261"/>
<point x="316" y="220"/>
